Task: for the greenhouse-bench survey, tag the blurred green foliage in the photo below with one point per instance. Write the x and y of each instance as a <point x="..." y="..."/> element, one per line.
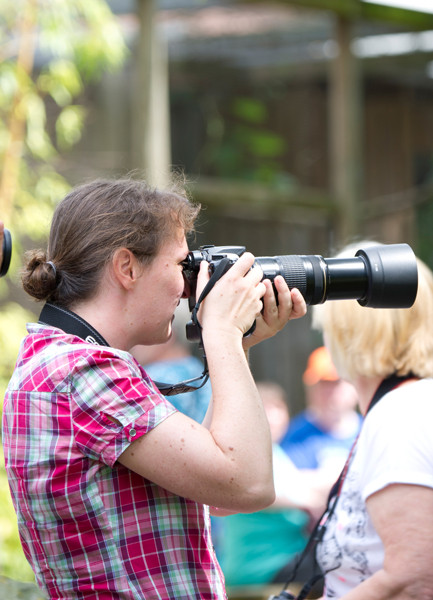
<point x="13" y="563"/>
<point x="49" y="51"/>
<point x="243" y="145"/>
<point x="17" y="590"/>
<point x="424" y="225"/>
<point x="13" y="319"/>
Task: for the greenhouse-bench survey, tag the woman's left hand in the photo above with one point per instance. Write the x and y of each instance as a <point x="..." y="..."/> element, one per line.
<point x="291" y="305"/>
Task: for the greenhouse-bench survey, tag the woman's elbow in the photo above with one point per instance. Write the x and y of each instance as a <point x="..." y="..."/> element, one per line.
<point x="255" y="498"/>
<point x="263" y="500"/>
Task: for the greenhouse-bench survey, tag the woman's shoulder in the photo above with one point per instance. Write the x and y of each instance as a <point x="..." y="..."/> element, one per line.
<point x="414" y="392"/>
<point x="403" y="412"/>
<point x="65" y="355"/>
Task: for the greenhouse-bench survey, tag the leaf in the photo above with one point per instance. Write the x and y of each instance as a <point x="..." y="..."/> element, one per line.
<point x="69" y="126"/>
<point x="61" y="80"/>
<point x="265" y="144"/>
<point x="37" y="138"/>
<point x="50" y="187"/>
<point x="250" y="109"/>
<point x="8" y="83"/>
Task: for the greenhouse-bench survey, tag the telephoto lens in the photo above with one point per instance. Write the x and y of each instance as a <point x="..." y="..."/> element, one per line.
<point x="379" y="276"/>
<point x="382" y="276"/>
<point x="6" y="252"/>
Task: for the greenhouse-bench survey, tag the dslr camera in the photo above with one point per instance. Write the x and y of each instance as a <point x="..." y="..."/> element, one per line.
<point x="379" y="276"/>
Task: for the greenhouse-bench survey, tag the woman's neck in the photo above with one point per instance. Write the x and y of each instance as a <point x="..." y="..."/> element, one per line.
<point x="366" y="387"/>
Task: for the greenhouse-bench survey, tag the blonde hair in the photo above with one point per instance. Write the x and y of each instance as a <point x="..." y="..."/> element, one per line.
<point x="373" y="342"/>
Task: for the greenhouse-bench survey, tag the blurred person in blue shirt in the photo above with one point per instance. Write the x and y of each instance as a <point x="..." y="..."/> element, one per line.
<point x="173" y="362"/>
<point x="320" y="437"/>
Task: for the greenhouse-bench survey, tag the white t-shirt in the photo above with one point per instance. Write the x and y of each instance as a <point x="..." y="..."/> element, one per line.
<point x="395" y="446"/>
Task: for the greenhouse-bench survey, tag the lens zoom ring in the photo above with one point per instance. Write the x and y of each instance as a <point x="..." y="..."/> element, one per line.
<point x="292" y="268"/>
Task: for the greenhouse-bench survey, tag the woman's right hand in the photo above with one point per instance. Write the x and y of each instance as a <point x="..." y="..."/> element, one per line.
<point x="235" y="300"/>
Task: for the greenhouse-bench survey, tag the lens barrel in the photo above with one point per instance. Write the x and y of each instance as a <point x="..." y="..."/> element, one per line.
<point x="382" y="276"/>
<point x="6" y="252"/>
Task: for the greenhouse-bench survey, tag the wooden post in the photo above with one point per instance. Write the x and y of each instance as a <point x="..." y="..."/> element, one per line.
<point x="346" y="132"/>
<point x="9" y="177"/>
<point x="151" y="122"/>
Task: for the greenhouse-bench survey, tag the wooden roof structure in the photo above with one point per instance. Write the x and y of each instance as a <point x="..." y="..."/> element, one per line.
<point x="344" y="78"/>
<point x="356" y="10"/>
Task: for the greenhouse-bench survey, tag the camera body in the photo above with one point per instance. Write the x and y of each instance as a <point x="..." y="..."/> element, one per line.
<point x="379" y="276"/>
<point x="212" y="255"/>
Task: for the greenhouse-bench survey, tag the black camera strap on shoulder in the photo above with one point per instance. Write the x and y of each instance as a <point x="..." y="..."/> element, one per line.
<point x="388" y="384"/>
<point x="384" y="387"/>
<point x="70" y="322"/>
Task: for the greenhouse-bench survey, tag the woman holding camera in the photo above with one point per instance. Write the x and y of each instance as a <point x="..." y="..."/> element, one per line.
<point x="110" y="483"/>
<point x="378" y="540"/>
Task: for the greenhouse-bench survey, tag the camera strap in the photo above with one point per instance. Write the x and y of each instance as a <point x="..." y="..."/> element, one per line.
<point x="194" y="328"/>
<point x="70" y="322"/>
<point x="388" y="384"/>
<point x="222" y="267"/>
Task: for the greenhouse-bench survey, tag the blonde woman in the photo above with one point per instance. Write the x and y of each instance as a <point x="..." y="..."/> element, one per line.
<point x="378" y="541"/>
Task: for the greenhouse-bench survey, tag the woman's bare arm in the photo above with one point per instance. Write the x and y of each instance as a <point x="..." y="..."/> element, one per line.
<point x="403" y="517"/>
<point x="227" y="464"/>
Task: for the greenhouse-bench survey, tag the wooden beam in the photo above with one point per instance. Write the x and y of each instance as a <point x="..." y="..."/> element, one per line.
<point x="370" y="11"/>
<point x="412" y="19"/>
<point x="151" y="152"/>
<point x="350" y="9"/>
<point x="345" y="133"/>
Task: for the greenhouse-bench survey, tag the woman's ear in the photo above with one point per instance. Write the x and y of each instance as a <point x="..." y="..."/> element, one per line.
<point x="125" y="267"/>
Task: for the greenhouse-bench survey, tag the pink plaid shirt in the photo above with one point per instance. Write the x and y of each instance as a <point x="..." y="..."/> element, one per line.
<point x="89" y="527"/>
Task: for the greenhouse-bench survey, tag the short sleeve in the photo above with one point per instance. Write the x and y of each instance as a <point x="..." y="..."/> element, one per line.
<point x="113" y="403"/>
<point x="396" y="445"/>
